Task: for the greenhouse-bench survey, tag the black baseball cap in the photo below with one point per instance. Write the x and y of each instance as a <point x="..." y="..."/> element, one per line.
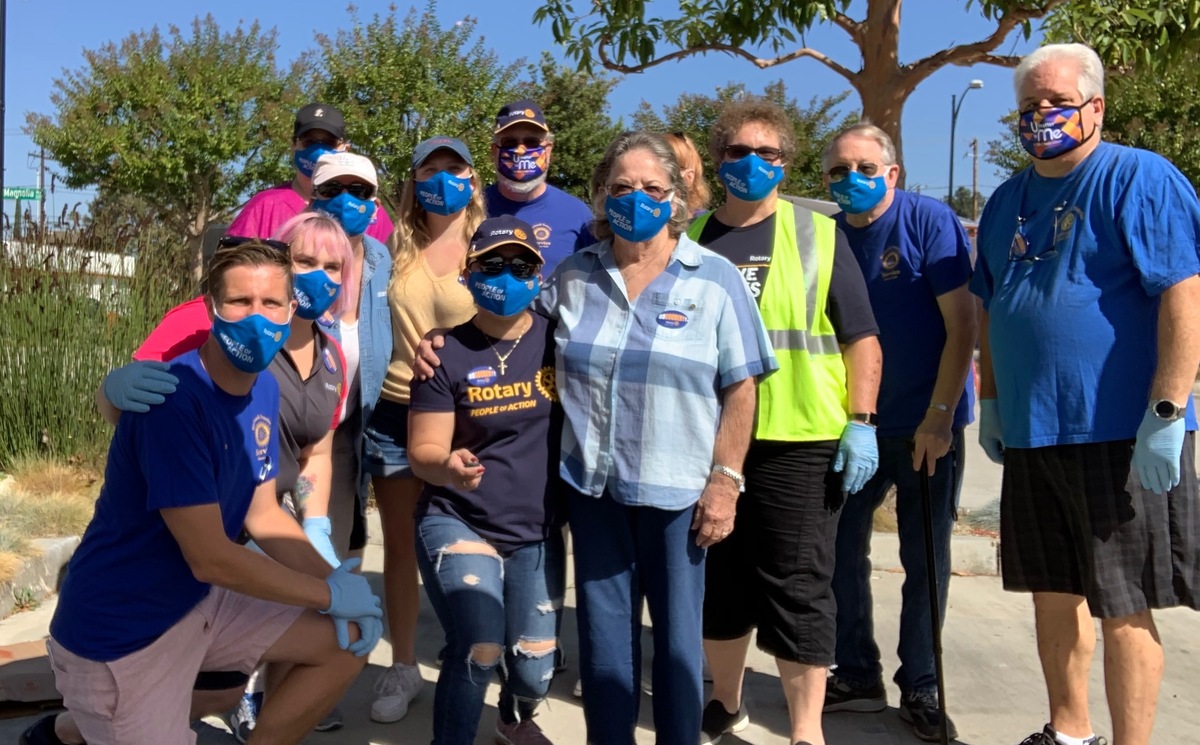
<point x="518" y="112"/>
<point x="319" y="116"/>
<point x="502" y="231"/>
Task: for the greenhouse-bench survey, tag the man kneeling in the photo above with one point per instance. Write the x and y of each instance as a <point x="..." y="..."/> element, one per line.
<point x="159" y="589"/>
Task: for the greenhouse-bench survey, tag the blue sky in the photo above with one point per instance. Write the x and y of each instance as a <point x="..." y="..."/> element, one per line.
<point x="45" y="37"/>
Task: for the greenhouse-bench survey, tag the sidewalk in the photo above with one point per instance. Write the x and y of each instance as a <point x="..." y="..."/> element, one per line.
<point x="993" y="679"/>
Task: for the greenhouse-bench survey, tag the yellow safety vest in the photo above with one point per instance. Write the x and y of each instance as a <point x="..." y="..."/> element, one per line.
<point x="806" y="399"/>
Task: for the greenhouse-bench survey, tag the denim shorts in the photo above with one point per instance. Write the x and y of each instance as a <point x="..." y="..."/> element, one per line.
<point x="385" y="446"/>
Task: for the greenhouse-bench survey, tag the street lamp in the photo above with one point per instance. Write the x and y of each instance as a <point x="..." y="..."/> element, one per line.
<point x="955" y="105"/>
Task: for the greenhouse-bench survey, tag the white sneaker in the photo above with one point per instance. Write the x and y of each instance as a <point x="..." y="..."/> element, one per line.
<point x="577" y="692"/>
<point x="397" y="687"/>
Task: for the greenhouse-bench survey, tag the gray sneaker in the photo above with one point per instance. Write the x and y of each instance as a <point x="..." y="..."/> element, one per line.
<point x="396" y="689"/>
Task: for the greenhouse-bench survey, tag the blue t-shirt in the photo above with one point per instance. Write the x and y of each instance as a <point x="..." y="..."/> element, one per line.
<point x="128" y="582"/>
<point x="916" y="251"/>
<point x="512" y="422"/>
<point x="1073" y="333"/>
<point x="560" y="222"/>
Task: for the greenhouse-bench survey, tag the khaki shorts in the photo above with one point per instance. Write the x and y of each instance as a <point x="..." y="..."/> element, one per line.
<point x="143" y="698"/>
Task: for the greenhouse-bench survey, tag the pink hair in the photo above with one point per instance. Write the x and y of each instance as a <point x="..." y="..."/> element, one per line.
<point x="308" y="233"/>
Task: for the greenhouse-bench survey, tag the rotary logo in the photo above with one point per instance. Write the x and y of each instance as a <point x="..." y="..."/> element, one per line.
<point x="546" y="384"/>
<point x="460" y="185"/>
<point x="261" y="426"/>
<point x="362" y="208"/>
<point x="891" y="258"/>
<point x="656" y="212"/>
<point x="529" y="113"/>
<point x="519" y="234"/>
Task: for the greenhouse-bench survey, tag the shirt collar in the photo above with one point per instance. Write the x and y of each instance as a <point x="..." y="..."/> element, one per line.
<point x="687" y="251"/>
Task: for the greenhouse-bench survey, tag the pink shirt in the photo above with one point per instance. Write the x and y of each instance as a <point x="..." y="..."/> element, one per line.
<point x="269" y="209"/>
<point x="182" y="329"/>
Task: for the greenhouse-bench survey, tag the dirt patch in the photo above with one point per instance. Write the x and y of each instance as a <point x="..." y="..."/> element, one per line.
<point x="42" y="499"/>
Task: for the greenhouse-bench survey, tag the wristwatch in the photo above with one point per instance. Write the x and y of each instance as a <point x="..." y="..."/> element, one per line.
<point x="868" y="419"/>
<point x="736" y="477"/>
<point x="1166" y="409"/>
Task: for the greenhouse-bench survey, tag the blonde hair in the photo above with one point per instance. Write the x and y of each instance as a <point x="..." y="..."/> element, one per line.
<point x="412" y="229"/>
<point x="309" y="232"/>
<point x="689" y="158"/>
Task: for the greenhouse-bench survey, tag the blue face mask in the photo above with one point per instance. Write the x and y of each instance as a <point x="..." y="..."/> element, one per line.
<point x="352" y="213"/>
<point x="751" y="178"/>
<point x="250" y="343"/>
<point x="856" y="193"/>
<point x="306" y="160"/>
<point x="445" y="193"/>
<point x="503" y="294"/>
<point x="315" y="292"/>
<point x="636" y="217"/>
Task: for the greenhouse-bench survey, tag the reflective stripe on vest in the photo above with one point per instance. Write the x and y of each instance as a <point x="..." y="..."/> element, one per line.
<point x="806" y="399"/>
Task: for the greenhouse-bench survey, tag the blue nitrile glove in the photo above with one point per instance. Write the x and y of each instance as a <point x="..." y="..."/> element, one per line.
<point x="318" y="530"/>
<point x="991" y="434"/>
<point x="858" y="454"/>
<point x="369" y="627"/>
<point x="139" y="385"/>
<point x="1157" y="450"/>
<point x="351" y="599"/>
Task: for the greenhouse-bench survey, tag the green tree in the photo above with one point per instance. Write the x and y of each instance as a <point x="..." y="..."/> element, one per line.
<point x="399" y="82"/>
<point x="624" y="37"/>
<point x="187" y="122"/>
<point x="576" y="107"/>
<point x="695" y="113"/>
<point x="964" y="205"/>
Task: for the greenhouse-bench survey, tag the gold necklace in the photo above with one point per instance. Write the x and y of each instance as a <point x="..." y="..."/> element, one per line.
<point x="503" y="358"/>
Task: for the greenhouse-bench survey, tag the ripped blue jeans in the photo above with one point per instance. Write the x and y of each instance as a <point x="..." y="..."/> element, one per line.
<point x="499" y="612"/>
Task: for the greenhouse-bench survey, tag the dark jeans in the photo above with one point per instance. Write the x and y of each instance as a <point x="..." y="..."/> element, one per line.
<point x="857" y="653"/>
<point x="484" y="599"/>
<point x="622" y="555"/>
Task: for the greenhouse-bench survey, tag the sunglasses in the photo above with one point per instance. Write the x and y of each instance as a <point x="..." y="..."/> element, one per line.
<point x="358" y="190"/>
<point x="512" y="142"/>
<point x="837" y="173"/>
<point x="520" y="268"/>
<point x="737" y="152"/>
<point x="233" y="241"/>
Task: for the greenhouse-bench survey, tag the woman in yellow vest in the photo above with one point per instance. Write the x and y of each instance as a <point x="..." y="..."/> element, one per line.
<point x="814" y="438"/>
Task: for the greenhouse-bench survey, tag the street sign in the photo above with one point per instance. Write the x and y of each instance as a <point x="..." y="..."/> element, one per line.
<point x="22" y="192"/>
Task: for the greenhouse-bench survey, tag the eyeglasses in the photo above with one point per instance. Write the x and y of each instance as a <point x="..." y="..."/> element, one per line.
<point x="837" y="173"/>
<point x="233" y="241"/>
<point x="1018" y="250"/>
<point x="737" y="152"/>
<point x="657" y="193"/>
<point x="305" y="141"/>
<point x="520" y="268"/>
<point x="529" y="142"/>
<point x="358" y="190"/>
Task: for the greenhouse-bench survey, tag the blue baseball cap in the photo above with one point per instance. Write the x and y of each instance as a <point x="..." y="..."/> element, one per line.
<point x="504" y="230"/>
<point x="524" y="111"/>
<point x="441" y="142"/>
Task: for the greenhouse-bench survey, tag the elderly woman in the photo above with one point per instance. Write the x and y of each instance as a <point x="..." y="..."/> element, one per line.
<point x="658" y="348"/>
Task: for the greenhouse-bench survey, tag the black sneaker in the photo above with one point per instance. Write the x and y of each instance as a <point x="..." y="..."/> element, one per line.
<point x="41" y="733"/>
<point x="841" y="697"/>
<point x="716" y="722"/>
<point x="921" y="711"/>
<point x="1049" y="737"/>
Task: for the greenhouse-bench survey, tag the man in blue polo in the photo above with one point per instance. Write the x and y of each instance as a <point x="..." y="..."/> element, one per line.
<point x="916" y="261"/>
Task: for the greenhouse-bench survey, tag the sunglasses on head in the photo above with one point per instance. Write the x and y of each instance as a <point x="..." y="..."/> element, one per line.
<point x="737" y="152"/>
<point x="358" y="190"/>
<point x="233" y="241"/>
<point x="529" y="142"/>
<point x="520" y="268"/>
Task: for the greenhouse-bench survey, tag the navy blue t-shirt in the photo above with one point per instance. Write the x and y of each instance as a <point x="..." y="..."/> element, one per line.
<point x="916" y="251"/>
<point x="128" y="582"/>
<point x="513" y="425"/>
<point x="560" y="222"/>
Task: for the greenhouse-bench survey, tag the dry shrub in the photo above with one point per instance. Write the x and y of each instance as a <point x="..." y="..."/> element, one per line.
<point x="35" y="475"/>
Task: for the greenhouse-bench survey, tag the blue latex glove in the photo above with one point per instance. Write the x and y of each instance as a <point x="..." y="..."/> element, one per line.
<point x="370" y="628"/>
<point x="139" y="385"/>
<point x="1156" y="452"/>
<point x="318" y="530"/>
<point x="351" y="599"/>
<point x="991" y="434"/>
<point x="858" y="455"/>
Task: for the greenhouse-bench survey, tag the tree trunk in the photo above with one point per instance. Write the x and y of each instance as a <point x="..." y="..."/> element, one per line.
<point x="195" y="244"/>
<point x="882" y="105"/>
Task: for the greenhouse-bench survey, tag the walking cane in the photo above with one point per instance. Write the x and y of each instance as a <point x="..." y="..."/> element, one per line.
<point x="935" y="608"/>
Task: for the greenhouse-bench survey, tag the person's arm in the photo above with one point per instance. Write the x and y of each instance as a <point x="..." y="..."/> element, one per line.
<point x="316" y="478"/>
<point x="110" y="413"/>
<point x="933" y="436"/>
<point x="430" y="434"/>
<point x="279" y="535"/>
<point x="863" y="359"/>
<point x="713" y="519"/>
<point x="1178" y="341"/>
<point x="987" y="377"/>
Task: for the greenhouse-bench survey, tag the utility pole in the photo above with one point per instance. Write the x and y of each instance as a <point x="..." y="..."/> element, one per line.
<point x="42" y="189"/>
<point x="974" y="180"/>
<point x="3" y="53"/>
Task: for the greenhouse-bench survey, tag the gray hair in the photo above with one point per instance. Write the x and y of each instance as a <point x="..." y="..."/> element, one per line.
<point x="1091" y="69"/>
<point x="862" y="129"/>
<point x="658" y="146"/>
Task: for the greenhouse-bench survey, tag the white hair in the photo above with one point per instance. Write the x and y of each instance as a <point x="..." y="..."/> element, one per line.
<point x="862" y="129"/>
<point x="1091" y="69"/>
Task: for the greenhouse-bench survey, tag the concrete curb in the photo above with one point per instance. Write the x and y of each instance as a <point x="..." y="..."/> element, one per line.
<point x="38" y="576"/>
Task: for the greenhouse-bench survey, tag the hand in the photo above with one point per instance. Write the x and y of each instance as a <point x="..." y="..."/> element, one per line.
<point x="319" y="530"/>
<point x="426" y="361"/>
<point x="932" y="439"/>
<point x="465" y="471"/>
<point x="350" y="596"/>
<point x="1156" y="452"/>
<point x="139" y="385"/>
<point x="370" y="630"/>
<point x="713" y="517"/>
<point x="857" y="455"/>
<point x="991" y="433"/>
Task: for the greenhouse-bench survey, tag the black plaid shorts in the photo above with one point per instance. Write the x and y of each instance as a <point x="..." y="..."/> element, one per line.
<point x="1073" y="519"/>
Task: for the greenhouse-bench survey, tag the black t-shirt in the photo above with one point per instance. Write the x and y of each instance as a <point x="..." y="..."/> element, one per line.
<point x="513" y="425"/>
<point x="308" y="408"/>
<point x="750" y="249"/>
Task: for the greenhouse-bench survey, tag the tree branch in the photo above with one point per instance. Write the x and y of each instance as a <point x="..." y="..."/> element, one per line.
<point x="981" y="51"/>
<point x="759" y="62"/>
<point x="849" y="25"/>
